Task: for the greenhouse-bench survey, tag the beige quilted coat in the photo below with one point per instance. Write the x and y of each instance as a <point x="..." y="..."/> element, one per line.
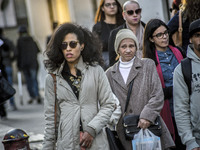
<point x="95" y="90"/>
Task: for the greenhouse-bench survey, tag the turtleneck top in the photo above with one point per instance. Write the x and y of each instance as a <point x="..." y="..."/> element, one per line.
<point x="125" y="67"/>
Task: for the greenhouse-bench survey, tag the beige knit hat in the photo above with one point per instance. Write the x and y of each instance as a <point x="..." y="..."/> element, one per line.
<point x="124" y="34"/>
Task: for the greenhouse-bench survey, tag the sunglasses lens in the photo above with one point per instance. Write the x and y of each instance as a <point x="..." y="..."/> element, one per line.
<point x="130" y="12"/>
<point x="138" y="11"/>
<point x="73" y="44"/>
<point x="64" y="45"/>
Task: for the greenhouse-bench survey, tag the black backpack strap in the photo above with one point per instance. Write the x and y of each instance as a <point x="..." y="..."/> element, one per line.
<point x="187" y="72"/>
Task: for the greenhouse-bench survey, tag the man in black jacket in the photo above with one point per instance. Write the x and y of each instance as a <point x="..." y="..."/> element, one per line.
<point x="132" y="16"/>
<point x="27" y="51"/>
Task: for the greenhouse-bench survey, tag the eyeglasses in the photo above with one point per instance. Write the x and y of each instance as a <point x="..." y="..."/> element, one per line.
<point x="71" y="44"/>
<point x="131" y="12"/>
<point x="110" y="4"/>
<point x="161" y="35"/>
<point x="197" y="35"/>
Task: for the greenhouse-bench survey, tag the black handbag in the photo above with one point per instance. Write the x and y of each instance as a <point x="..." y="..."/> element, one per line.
<point x="113" y="140"/>
<point x="130" y="122"/>
<point x="6" y="90"/>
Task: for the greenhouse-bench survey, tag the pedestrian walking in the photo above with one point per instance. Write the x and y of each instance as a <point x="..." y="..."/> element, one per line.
<point x="108" y="17"/>
<point x="84" y="99"/>
<point x="166" y="57"/>
<point x="186" y="104"/>
<point x="7" y="55"/>
<point x="190" y="12"/>
<point x="27" y="51"/>
<point x="132" y="16"/>
<point x="175" y="7"/>
<point x="146" y="96"/>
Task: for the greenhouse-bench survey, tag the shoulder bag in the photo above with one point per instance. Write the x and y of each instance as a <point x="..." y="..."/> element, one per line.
<point x="130" y="122"/>
<point x="113" y="140"/>
<point x="177" y="36"/>
<point x="6" y="90"/>
<point x="55" y="107"/>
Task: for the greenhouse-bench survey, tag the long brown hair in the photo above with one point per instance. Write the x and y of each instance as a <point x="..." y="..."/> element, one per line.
<point x="192" y="9"/>
<point x="100" y="15"/>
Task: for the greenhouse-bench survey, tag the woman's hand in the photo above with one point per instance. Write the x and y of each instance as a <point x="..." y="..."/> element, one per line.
<point x="86" y="140"/>
<point x="143" y="123"/>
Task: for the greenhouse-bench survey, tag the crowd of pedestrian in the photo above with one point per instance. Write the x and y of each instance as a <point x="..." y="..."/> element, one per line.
<point x="25" y="53"/>
<point x="93" y="74"/>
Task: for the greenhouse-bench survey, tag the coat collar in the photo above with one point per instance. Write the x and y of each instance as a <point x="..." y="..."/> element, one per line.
<point x="80" y="66"/>
<point x="116" y="75"/>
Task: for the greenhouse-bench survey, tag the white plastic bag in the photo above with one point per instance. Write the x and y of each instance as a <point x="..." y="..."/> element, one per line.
<point x="146" y="140"/>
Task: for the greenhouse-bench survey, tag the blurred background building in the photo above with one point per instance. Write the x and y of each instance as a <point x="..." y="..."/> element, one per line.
<point x="39" y="16"/>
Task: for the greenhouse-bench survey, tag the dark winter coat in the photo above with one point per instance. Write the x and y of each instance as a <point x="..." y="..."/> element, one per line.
<point x="27" y="51"/>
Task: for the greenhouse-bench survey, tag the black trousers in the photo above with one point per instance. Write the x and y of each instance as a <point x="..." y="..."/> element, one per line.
<point x="2" y="111"/>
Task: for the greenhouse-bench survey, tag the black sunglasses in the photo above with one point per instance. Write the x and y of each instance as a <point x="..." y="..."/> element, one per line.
<point x="71" y="44"/>
<point x="131" y="12"/>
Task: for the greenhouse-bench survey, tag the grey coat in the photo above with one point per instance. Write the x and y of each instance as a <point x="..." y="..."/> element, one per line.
<point x="94" y="107"/>
<point x="146" y="99"/>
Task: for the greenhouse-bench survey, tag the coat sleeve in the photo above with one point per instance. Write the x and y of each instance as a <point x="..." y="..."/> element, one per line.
<point x="182" y="109"/>
<point x="49" y="103"/>
<point x="156" y="99"/>
<point x="115" y="115"/>
<point x="106" y="102"/>
<point x="111" y="49"/>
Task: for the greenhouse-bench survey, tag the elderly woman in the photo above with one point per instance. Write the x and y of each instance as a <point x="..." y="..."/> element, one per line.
<point x="84" y="97"/>
<point x="146" y="97"/>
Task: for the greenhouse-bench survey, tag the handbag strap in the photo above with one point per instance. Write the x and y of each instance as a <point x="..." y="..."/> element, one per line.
<point x="55" y="106"/>
<point x="180" y="29"/>
<point x="128" y="96"/>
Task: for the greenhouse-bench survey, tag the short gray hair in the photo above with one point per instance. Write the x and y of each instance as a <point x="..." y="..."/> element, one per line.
<point x="129" y="2"/>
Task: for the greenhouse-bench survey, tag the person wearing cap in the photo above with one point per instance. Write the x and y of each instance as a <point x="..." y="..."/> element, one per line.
<point x="132" y="16"/>
<point x="146" y="98"/>
<point x="186" y="106"/>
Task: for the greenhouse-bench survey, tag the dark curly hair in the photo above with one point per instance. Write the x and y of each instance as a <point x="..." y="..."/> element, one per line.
<point x="192" y="10"/>
<point x="148" y="46"/>
<point x="100" y="15"/>
<point x="91" y="53"/>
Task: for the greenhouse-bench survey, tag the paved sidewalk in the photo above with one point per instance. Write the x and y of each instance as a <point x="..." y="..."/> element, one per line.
<point x="29" y="118"/>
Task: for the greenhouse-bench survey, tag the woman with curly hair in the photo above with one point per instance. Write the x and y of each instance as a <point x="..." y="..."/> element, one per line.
<point x="190" y="11"/>
<point x="108" y="17"/>
<point x="84" y="98"/>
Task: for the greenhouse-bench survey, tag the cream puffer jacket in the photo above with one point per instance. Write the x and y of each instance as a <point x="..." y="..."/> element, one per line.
<point x="94" y="107"/>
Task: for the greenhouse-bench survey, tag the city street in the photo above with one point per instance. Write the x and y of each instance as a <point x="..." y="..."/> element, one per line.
<point x="28" y="117"/>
